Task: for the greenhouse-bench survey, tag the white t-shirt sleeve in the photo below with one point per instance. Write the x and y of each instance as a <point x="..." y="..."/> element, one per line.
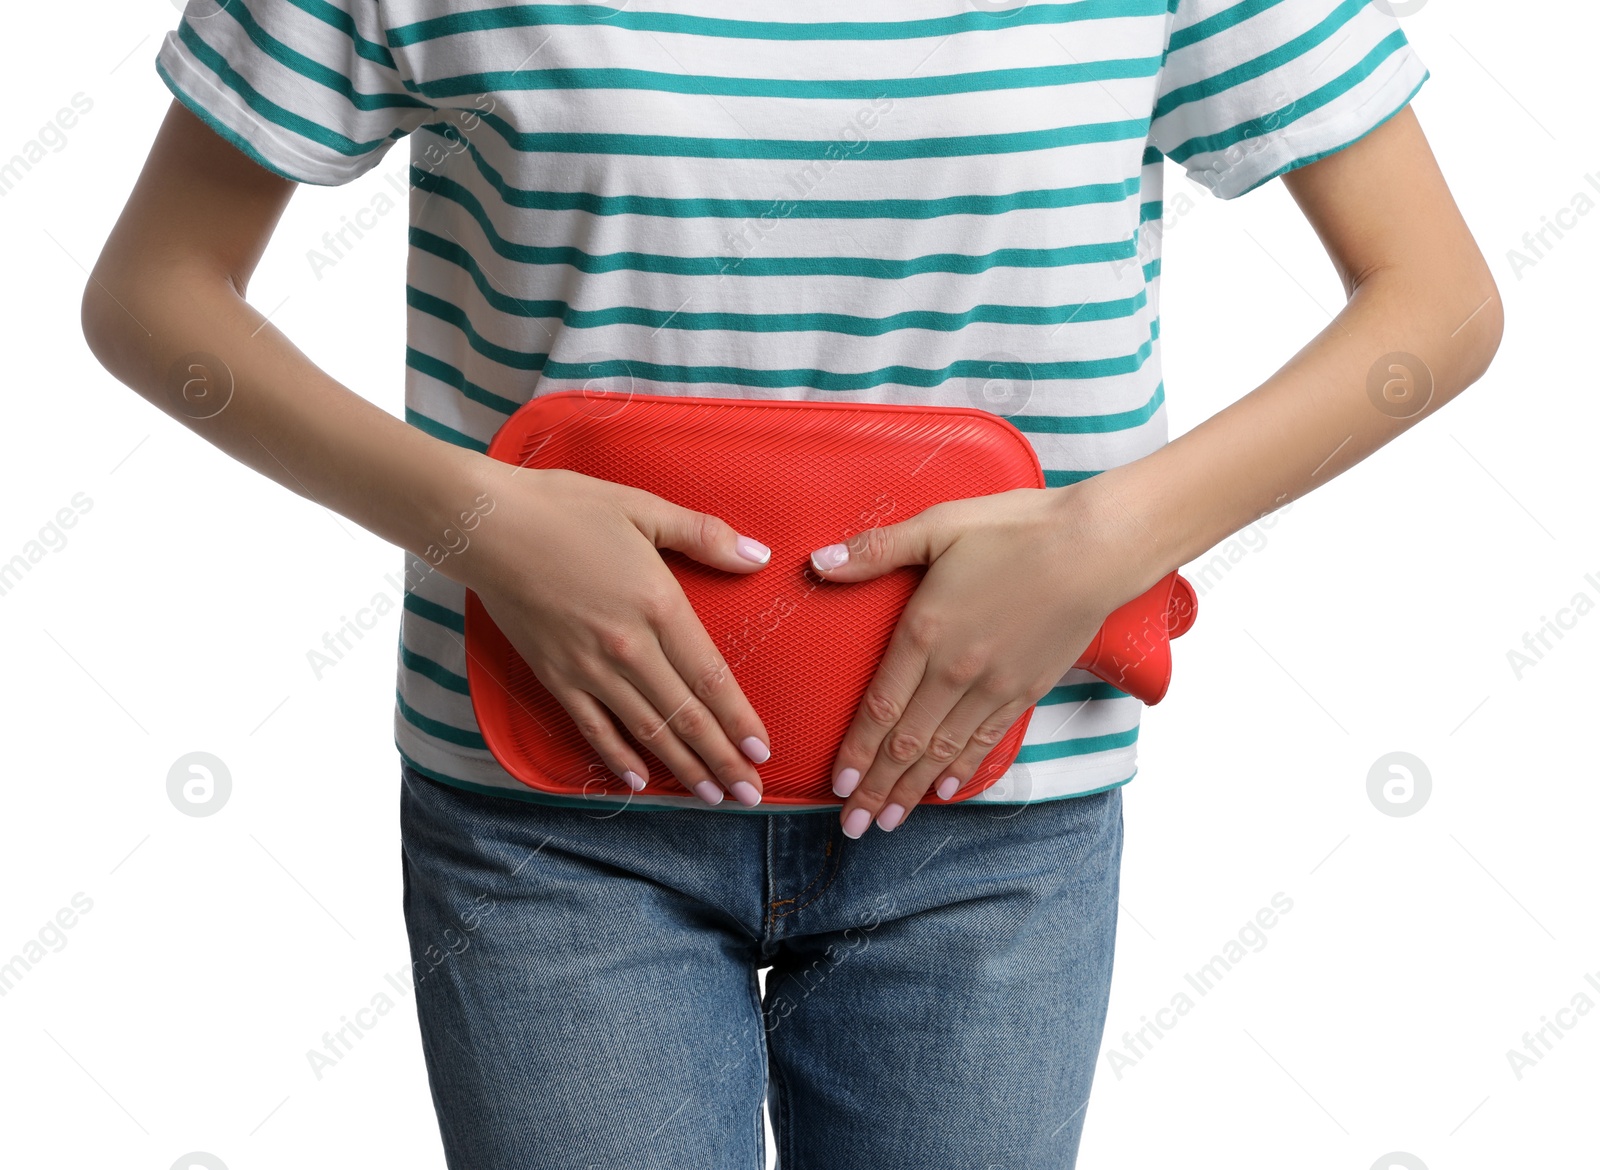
<point x="1253" y="88"/>
<point x="308" y="90"/>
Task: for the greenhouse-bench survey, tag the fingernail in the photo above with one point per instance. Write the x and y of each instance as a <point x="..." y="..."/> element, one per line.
<point x="745" y="793"/>
<point x="856" y="823"/>
<point x="755" y="751"/>
<point x="829" y="558"/>
<point x="708" y="792"/>
<point x="752" y="550"/>
<point x="891" y="816"/>
<point x="946" y="788"/>
<point x="845" y="782"/>
<point x="633" y="780"/>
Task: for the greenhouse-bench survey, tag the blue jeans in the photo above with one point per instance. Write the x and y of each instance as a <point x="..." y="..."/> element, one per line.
<point x="587" y="990"/>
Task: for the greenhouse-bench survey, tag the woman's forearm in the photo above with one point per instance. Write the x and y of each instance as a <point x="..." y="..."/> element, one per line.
<point x="1407" y="341"/>
<point x="183" y="337"/>
<point x="1421" y="322"/>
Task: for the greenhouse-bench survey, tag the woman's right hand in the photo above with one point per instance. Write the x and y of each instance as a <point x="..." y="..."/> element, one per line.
<point x="567" y="566"/>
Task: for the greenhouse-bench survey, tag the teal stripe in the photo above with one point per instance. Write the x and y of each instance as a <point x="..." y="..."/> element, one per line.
<point x="1317" y="98"/>
<point x="755" y="266"/>
<point x="828" y="89"/>
<point x="271" y="111"/>
<point x="1090" y="424"/>
<point x="1069" y="795"/>
<point x="1065" y="478"/>
<point x="833" y="380"/>
<point x="443" y="310"/>
<point x="534" y="796"/>
<point x="227" y="132"/>
<point x="429" y="669"/>
<point x="1080" y="692"/>
<point x="315" y="71"/>
<point x="1038" y="424"/>
<point x="459" y="736"/>
<point x="338" y="18"/>
<point x="1317" y="34"/>
<point x="1047" y="199"/>
<point x="1216" y="23"/>
<point x="439" y="431"/>
<point x="1311" y="158"/>
<point x="436" y="613"/>
<point x="533" y="15"/>
<point x="442" y="371"/>
<point x="815" y="379"/>
<point x="817" y="150"/>
<point x="843" y="324"/>
<point x="1038" y="753"/>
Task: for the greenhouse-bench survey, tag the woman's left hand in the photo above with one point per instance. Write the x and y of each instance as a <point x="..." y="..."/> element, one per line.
<point x="1017" y="585"/>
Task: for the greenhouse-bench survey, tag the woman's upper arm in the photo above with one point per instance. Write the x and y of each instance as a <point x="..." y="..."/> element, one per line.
<point x="1381" y="204"/>
<point x="200" y="210"/>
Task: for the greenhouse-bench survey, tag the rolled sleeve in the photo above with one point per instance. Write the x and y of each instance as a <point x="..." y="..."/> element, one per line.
<point x="1256" y="88"/>
<point x="306" y="88"/>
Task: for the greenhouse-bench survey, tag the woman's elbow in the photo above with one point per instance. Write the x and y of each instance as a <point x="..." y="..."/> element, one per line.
<point x="1480" y="334"/>
<point x="114" y="326"/>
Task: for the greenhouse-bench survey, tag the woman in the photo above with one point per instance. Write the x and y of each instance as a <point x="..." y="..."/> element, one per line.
<point x="960" y="206"/>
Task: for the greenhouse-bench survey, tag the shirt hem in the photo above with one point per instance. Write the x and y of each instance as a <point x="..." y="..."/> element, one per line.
<point x="440" y="764"/>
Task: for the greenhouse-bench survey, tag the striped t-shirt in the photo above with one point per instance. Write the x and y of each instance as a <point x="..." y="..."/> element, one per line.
<point x="956" y="202"/>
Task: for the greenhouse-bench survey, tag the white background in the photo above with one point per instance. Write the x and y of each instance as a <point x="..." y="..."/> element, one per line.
<point x="1375" y="617"/>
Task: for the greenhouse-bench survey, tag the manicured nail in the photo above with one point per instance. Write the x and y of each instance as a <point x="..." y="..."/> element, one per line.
<point x="829" y="558"/>
<point x="946" y="788"/>
<point x="708" y="792"/>
<point x="755" y="751"/>
<point x="845" y="782"/>
<point x="892" y="814"/>
<point x="745" y="793"/>
<point x="752" y="550"/>
<point x="633" y="780"/>
<point x="856" y="823"/>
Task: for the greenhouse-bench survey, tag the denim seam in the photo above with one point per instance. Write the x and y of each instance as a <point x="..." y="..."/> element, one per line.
<point x="783" y="1117"/>
<point x="828" y="852"/>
